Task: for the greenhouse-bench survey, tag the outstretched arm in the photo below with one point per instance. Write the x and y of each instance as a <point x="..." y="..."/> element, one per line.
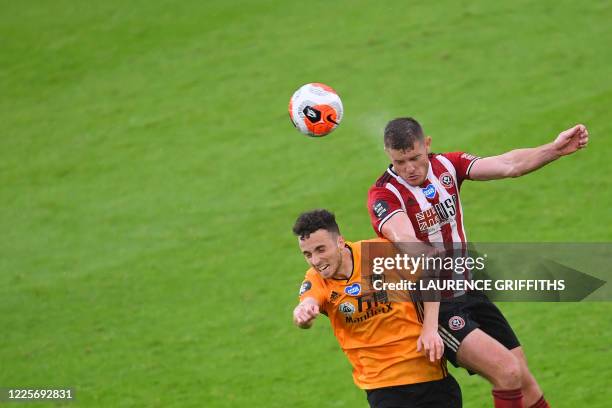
<point x="519" y="162"/>
<point x="305" y="313"/>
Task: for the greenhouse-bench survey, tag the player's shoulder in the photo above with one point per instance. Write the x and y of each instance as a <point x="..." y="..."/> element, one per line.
<point x="452" y="156"/>
<point x="356" y="247"/>
<point x="368" y="241"/>
<point x="381" y="181"/>
<point x="447" y="155"/>
<point x="447" y="159"/>
<point x="312" y="275"/>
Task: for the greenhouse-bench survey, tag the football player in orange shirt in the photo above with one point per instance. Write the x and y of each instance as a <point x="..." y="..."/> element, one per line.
<point x="378" y="336"/>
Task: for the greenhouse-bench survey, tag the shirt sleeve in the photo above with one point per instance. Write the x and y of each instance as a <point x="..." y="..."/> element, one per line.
<point x="462" y="162"/>
<point x="382" y="205"/>
<point x="312" y="287"/>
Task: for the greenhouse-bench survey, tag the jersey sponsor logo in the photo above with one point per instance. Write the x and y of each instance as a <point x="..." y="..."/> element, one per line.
<point x="347" y="309"/>
<point x="380" y="208"/>
<point x="456" y="323"/>
<point x="446" y="180"/>
<point x="368" y="306"/>
<point x="306" y="285"/>
<point x="353" y="290"/>
<point x="431" y="219"/>
<point x="334" y="296"/>
<point x="372" y="300"/>
<point x="429" y="191"/>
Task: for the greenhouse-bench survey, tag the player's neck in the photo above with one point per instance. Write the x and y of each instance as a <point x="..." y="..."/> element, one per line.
<point x="346" y="267"/>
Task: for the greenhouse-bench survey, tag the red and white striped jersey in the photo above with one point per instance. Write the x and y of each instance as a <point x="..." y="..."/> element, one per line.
<point x="434" y="207"/>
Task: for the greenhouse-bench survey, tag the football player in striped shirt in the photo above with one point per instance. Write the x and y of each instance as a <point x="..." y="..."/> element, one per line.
<point x="416" y="200"/>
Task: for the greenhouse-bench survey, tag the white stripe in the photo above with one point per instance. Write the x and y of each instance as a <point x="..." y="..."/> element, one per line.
<point x="394" y="190"/>
<point x="380" y="224"/>
<point x="451" y="169"/>
<point x="467" y="171"/>
<point x="442" y="330"/>
<point x="450" y="336"/>
<point x="448" y="343"/>
<point x="444" y="195"/>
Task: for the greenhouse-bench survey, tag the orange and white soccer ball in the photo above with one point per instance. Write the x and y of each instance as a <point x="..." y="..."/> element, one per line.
<point x="315" y="109"/>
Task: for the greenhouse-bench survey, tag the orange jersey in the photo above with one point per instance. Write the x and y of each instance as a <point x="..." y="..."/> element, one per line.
<point x="379" y="337"/>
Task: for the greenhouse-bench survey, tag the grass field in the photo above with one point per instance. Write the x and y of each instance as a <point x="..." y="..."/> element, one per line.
<point x="149" y="178"/>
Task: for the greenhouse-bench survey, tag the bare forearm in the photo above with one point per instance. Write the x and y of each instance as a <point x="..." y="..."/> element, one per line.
<point x="432" y="309"/>
<point x="525" y="161"/>
<point x="414" y="247"/>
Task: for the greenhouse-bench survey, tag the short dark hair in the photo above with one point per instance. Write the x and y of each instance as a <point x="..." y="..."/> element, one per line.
<point x="401" y="133"/>
<point x="314" y="220"/>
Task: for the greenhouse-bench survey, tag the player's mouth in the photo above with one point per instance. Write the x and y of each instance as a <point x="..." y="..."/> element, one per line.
<point x="323" y="268"/>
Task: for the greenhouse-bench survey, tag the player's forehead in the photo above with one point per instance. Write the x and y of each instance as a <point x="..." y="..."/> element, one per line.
<point x="318" y="238"/>
<point x="403" y="154"/>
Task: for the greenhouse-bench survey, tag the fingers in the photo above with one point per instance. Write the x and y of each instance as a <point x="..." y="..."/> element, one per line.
<point x="433" y="351"/>
<point x="436" y="351"/>
<point x="432" y="348"/>
<point x="579" y="130"/>
<point x="429" y="352"/>
<point x="428" y="349"/>
<point x="314" y="309"/>
<point x="305" y="313"/>
<point x="583" y="136"/>
<point x="439" y="348"/>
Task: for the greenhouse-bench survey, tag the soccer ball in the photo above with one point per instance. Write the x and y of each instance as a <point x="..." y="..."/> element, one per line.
<point x="315" y="109"/>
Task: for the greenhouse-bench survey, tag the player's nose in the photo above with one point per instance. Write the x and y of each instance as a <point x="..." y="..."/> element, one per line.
<point x="314" y="260"/>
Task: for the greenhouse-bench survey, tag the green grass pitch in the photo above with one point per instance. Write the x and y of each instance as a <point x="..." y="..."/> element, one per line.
<point x="149" y="178"/>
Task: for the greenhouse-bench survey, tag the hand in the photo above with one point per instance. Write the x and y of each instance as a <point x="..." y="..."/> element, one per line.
<point x="430" y="343"/>
<point x="304" y="314"/>
<point x="571" y="140"/>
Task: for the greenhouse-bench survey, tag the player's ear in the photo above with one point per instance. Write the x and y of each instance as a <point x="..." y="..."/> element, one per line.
<point x="340" y="241"/>
<point x="427" y="143"/>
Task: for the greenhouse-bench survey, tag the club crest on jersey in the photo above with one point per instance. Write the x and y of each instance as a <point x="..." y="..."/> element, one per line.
<point x="347" y="308"/>
<point x="429" y="191"/>
<point x="456" y="323"/>
<point x="353" y="290"/>
<point x="305" y="287"/>
<point x="446" y="180"/>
